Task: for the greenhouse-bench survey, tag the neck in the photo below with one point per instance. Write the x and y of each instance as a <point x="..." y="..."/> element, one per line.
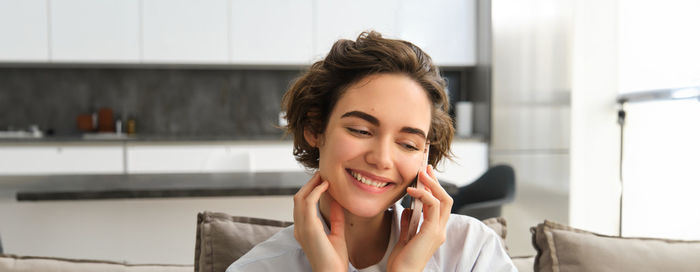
<point x="367" y="238"/>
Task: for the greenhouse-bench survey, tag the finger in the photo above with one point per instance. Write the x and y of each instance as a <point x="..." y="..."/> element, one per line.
<point x="446" y="200"/>
<point x="301" y="195"/>
<point x="337" y="219"/>
<point x="431" y="172"/>
<point x="310" y="185"/>
<point x="337" y="228"/>
<point x="305" y="214"/>
<point x="431" y="205"/>
<point x="433" y="186"/>
<point x="403" y="235"/>
<point x="437" y="191"/>
<point x="313" y="197"/>
<point x="429" y="181"/>
<point x="305" y="207"/>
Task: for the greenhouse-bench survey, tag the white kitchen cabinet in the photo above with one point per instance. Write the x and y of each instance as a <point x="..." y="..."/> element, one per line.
<point x="186" y="158"/>
<point x="445" y="29"/>
<point x="185" y="31"/>
<point x="271" y="32"/>
<point x="95" y="31"/>
<point x="273" y="157"/>
<point x="336" y="19"/>
<point x="48" y="159"/>
<point x="267" y="32"/>
<point x="23" y="31"/>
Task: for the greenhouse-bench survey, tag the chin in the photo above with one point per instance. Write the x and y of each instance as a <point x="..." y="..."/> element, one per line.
<point x="366" y="208"/>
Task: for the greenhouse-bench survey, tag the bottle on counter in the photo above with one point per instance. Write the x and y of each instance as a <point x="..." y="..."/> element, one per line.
<point x="118" y="126"/>
<point x="131" y="126"/>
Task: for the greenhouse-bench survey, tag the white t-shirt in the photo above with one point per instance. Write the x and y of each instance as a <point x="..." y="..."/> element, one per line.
<point x="470" y="246"/>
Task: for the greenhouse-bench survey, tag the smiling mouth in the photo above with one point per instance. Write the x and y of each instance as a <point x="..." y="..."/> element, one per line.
<point x="366" y="180"/>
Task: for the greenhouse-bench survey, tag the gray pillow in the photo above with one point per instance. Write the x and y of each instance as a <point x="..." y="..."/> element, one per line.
<point x="222" y="239"/>
<point x="562" y="249"/>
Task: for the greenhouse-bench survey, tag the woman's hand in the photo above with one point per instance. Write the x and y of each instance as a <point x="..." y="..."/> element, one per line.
<point x="414" y="254"/>
<point x="326" y="252"/>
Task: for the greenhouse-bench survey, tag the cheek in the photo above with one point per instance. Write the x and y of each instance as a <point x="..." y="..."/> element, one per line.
<point x="338" y="148"/>
<point x="409" y="165"/>
<point x="347" y="147"/>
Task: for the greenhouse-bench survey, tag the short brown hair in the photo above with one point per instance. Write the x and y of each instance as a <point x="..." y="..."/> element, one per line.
<point x="309" y="102"/>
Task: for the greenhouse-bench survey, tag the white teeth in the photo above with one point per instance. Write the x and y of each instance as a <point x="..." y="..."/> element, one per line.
<point x="368" y="181"/>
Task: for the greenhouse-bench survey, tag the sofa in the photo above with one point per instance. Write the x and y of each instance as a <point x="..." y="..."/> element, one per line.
<point x="222" y="238"/>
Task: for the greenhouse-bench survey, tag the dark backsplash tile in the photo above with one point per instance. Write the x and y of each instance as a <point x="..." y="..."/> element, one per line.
<point x="166" y="102"/>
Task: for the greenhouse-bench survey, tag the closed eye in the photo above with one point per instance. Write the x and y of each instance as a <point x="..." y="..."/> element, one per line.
<point x="409" y="147"/>
<point x="359" y="131"/>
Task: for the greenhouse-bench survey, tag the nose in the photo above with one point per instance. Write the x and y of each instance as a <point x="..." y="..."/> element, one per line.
<point x="380" y="155"/>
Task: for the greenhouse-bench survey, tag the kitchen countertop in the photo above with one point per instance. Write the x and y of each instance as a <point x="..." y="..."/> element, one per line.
<point x="91" y="187"/>
<point x="86" y="187"/>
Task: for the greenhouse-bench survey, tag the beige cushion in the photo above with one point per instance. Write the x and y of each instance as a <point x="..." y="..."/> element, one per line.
<point x="562" y="248"/>
<point x="498" y="224"/>
<point x="222" y="239"/>
<point x="14" y="263"/>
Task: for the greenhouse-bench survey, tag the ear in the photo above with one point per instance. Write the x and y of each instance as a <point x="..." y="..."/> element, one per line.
<point x="311" y="138"/>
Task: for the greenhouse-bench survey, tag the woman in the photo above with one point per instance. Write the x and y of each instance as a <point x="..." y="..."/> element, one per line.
<point x="363" y="118"/>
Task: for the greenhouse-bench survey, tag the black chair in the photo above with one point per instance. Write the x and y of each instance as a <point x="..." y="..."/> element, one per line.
<point x="485" y="197"/>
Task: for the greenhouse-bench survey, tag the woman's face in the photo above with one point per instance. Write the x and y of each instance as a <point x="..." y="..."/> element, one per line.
<point x="373" y="144"/>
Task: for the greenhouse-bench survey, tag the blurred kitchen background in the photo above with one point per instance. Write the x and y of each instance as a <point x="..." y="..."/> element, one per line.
<point x="160" y="87"/>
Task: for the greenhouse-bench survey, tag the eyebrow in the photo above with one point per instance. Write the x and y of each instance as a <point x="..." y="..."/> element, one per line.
<point x="374" y="121"/>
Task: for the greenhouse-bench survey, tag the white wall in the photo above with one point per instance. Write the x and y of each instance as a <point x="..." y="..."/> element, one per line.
<point x="595" y="144"/>
<point x="660" y="170"/>
<point x="659" y="44"/>
<point x="623" y="46"/>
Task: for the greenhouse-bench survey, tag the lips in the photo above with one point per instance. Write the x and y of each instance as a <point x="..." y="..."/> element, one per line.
<point x="369" y="182"/>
